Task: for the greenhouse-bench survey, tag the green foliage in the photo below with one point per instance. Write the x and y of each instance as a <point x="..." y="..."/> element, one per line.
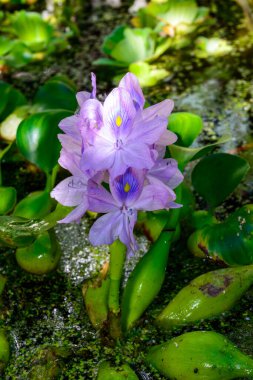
<point x="173" y="16"/>
<point x="148" y="75"/>
<point x="40" y="257"/>
<point x="8" y="198"/>
<point x="229" y="241"/>
<point x="28" y="38"/>
<point x="107" y="372"/>
<point x="126" y="45"/>
<point x="186" y="125"/>
<point x="37" y="138"/>
<point x="10" y="99"/>
<point x="215" y="177"/>
<point x="206" y="296"/>
<point x="36" y="205"/>
<point x="200" y="355"/>
<point x="57" y="93"/>
<point x="184" y="155"/>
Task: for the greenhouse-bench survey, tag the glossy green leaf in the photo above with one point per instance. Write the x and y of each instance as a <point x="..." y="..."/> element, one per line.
<point x="19" y="56"/>
<point x="206" y="296"/>
<point x="203" y="355"/>
<point x="56" y="94"/>
<point x="186" y="125"/>
<point x="215" y="177"/>
<point x="129" y="45"/>
<point x="8" y="198"/>
<point x="184" y="155"/>
<point x="31" y="29"/>
<point x="20" y="232"/>
<point x="10" y="99"/>
<point x="35" y="206"/>
<point x="148" y="75"/>
<point x="5" y="45"/>
<point x="230" y="241"/>
<point x="123" y="372"/>
<point x="42" y="256"/>
<point x="37" y="138"/>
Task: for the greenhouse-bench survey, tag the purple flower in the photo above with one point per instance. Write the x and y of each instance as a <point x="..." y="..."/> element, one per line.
<point x="124" y="136"/>
<point x="128" y="195"/>
<point x="122" y="144"/>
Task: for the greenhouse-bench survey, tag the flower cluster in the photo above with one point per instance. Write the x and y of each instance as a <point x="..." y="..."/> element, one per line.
<point x="118" y="146"/>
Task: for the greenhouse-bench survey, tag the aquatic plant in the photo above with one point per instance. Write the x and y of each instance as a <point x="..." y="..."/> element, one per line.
<point x="28" y="38"/>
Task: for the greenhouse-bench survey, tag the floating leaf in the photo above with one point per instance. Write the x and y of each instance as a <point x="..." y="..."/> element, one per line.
<point x="8" y="198"/>
<point x="57" y="93"/>
<point x="36" y="205"/>
<point x="42" y="256"/>
<point x="123" y="372"/>
<point x="147" y="75"/>
<point x="200" y="355"/>
<point x="206" y="296"/>
<point x="31" y="29"/>
<point x="20" y="232"/>
<point x="229" y="241"/>
<point x="37" y="138"/>
<point x="184" y="155"/>
<point x="5" y="45"/>
<point x="186" y="125"/>
<point x="10" y="99"/>
<point x="215" y="177"/>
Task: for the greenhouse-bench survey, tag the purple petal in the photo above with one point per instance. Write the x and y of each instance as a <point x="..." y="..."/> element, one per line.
<point x="76" y="214"/>
<point x="100" y="199"/>
<point x="166" y="171"/>
<point x="130" y="83"/>
<point x="149" y="132"/>
<point x="94" y="86"/>
<point x="126" y="235"/>
<point x="126" y="188"/>
<point x="70" y="144"/>
<point x="138" y="156"/>
<point x="70" y="162"/>
<point x="119" y="166"/>
<point x="70" y="125"/>
<point x="167" y="138"/>
<point x="162" y="109"/>
<point x="91" y="113"/>
<point x="98" y="157"/>
<point x="153" y="197"/>
<point x="119" y="111"/>
<point x="107" y="228"/>
<point x="82" y="97"/>
<point x="71" y="191"/>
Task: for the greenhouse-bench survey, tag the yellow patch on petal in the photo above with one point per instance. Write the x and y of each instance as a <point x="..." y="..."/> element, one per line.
<point x="118" y="121"/>
<point x="127" y="187"/>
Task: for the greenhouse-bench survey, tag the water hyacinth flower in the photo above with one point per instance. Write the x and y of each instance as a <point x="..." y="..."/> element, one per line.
<point x="121" y="143"/>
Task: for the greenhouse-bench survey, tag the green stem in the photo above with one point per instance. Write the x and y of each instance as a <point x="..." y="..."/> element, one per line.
<point x="117" y="260"/>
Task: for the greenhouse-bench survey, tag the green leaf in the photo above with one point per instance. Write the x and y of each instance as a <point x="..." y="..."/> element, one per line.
<point x="5" y="45"/>
<point x="10" y="99"/>
<point x="147" y="75"/>
<point x="31" y="29"/>
<point x="19" y="56"/>
<point x="42" y="256"/>
<point x="109" y="62"/>
<point x="35" y="206"/>
<point x="215" y="177"/>
<point x="184" y="155"/>
<point x="8" y="198"/>
<point x="37" y="138"/>
<point x="20" y="232"/>
<point x="230" y="241"/>
<point x="186" y="125"/>
<point x="56" y="94"/>
<point x="129" y="45"/>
